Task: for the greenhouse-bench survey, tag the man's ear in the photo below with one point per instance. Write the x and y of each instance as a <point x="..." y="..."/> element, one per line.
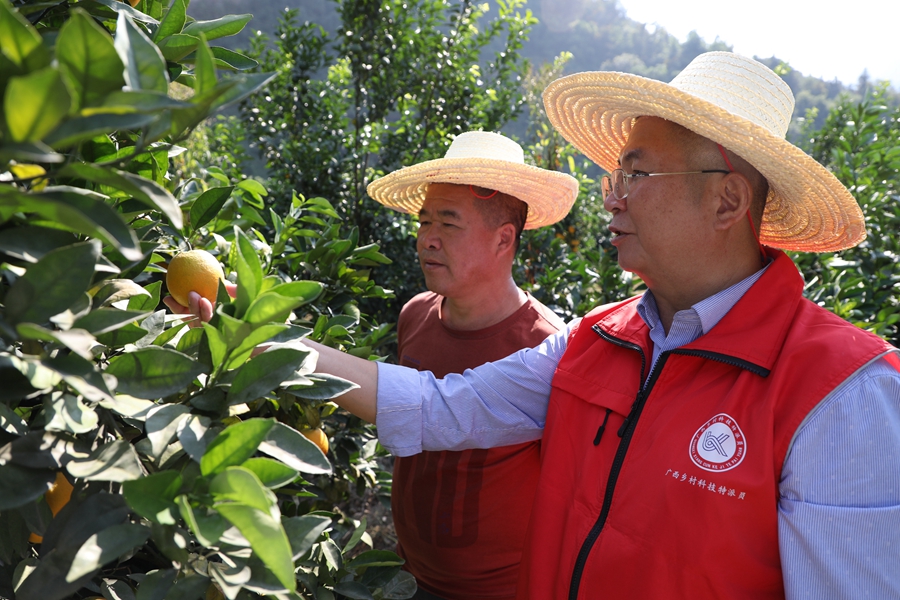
<point x="506" y="238"/>
<point x="734" y="199"/>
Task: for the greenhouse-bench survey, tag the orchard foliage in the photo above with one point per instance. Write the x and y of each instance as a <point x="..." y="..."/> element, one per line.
<point x="860" y="143"/>
<point x="389" y="89"/>
<point x="190" y="473"/>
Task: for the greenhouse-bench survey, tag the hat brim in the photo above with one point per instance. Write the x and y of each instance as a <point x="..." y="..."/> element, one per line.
<point x="548" y="194"/>
<point x="808" y="209"/>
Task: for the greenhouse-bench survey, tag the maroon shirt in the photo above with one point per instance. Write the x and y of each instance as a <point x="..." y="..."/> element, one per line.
<point x="461" y="517"/>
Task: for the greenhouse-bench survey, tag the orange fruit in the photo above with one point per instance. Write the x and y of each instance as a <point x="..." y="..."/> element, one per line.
<point x="317" y="437"/>
<point x="194" y="271"/>
<point x="57" y="496"/>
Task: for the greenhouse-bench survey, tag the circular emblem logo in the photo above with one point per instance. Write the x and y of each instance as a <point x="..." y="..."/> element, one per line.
<point x="718" y="445"/>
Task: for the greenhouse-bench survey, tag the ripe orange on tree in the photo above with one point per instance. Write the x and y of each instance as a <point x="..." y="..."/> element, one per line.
<point x="317" y="437"/>
<point x="194" y="271"/>
<point x="57" y="496"/>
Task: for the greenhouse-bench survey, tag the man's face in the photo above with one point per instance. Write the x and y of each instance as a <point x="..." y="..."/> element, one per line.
<point x="662" y="224"/>
<point x="457" y="251"/>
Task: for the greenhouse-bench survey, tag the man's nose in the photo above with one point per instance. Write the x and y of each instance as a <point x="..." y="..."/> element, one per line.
<point x="427" y="238"/>
<point x="613" y="202"/>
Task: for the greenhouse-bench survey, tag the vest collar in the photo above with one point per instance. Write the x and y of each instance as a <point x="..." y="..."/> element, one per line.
<point x="753" y="331"/>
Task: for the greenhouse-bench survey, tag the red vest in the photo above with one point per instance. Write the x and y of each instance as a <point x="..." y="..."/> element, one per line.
<point x="680" y="499"/>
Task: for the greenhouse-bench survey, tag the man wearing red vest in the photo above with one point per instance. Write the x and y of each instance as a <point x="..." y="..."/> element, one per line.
<point x="719" y="436"/>
<point x="461" y="516"/>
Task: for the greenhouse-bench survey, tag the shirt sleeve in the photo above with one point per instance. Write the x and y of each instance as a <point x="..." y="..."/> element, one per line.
<point x="496" y="404"/>
<point x="839" y="510"/>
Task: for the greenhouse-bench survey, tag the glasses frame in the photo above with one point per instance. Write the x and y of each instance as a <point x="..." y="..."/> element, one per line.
<point x="608" y="181"/>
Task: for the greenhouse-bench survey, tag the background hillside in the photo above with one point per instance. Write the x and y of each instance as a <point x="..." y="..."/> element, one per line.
<point x="597" y="33"/>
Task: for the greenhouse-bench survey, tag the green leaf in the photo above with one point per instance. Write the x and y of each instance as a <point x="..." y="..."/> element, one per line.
<point x="36" y="152"/>
<point x="132" y="101"/>
<point x="354" y="590"/>
<point x="106" y="546"/>
<point x="266" y="537"/>
<point x="148" y="192"/>
<point x="249" y="272"/>
<point x="226" y="59"/>
<point x="19" y="40"/>
<point x="375" y="558"/>
<point x="174" y="20"/>
<point x="11" y="422"/>
<point x="175" y="47"/>
<point x="30" y="243"/>
<point x="237" y="484"/>
<point x="224" y="26"/>
<point x="234" y="445"/>
<point x="78" y="341"/>
<point x="195" y="435"/>
<point x="153" y="496"/>
<point x="204" y="67"/>
<point x="124" y="7"/>
<point x="69" y="413"/>
<point x="271" y="473"/>
<point x="77" y="210"/>
<point x="88" y="59"/>
<point x="275" y="304"/>
<point x="162" y="426"/>
<point x="153" y="372"/>
<point x="207" y="206"/>
<point x="81" y="129"/>
<point x="304" y="531"/>
<point x="52" y="284"/>
<point x="115" y="461"/>
<point x="156" y="585"/>
<point x="263" y="373"/>
<point x="22" y="485"/>
<point x="145" y="67"/>
<point x="323" y="387"/>
<point x="293" y="449"/>
<point x="35" y="104"/>
<point x="116" y="290"/>
<point x="82" y="375"/>
<point x="104" y="320"/>
<point x="257" y="336"/>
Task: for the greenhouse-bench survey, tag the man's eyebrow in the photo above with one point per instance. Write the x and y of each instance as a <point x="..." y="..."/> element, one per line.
<point x="631" y="155"/>
<point x="446" y="213"/>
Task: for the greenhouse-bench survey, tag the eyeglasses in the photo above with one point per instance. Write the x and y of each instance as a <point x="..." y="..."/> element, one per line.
<point x="616" y="183"/>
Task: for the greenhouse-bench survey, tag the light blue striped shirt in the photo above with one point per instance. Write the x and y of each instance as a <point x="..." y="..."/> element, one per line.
<point x="839" y="504"/>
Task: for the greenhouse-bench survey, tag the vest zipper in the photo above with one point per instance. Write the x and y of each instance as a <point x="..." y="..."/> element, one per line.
<point x="627" y="430"/>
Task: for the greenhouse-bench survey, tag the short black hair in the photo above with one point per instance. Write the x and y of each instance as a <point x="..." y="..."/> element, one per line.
<point x="501" y="209"/>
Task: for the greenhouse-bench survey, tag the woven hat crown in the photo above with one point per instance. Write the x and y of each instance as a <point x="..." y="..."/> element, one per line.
<point x="741" y="86"/>
<point x="485" y="144"/>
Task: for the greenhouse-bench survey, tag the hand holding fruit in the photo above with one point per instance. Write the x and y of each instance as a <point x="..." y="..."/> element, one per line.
<point x="193" y="282"/>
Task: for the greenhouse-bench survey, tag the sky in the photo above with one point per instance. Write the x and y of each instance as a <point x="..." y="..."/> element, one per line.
<point x="821" y="38"/>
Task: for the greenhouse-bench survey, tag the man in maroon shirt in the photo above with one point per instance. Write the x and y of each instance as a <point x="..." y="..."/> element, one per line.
<point x="461" y="517"/>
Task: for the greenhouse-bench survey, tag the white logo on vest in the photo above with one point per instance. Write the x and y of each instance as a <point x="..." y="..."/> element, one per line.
<point x="718" y="445"/>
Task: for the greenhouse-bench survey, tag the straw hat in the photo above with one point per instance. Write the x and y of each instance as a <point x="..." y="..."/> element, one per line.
<point x="736" y="102"/>
<point x="487" y="160"/>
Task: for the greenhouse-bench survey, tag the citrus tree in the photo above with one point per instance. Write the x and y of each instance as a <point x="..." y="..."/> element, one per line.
<point x="179" y="448"/>
<point x="860" y="143"/>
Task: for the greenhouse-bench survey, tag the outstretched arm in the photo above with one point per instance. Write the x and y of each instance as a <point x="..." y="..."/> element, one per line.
<point x="362" y="400"/>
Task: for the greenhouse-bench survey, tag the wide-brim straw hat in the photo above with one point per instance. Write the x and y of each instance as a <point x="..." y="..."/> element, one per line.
<point x="736" y="102"/>
<point x="487" y="160"/>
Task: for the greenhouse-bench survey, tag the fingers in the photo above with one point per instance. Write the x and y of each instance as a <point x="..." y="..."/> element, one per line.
<point x="198" y="306"/>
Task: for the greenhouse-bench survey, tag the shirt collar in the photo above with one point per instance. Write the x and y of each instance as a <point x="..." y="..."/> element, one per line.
<point x="709" y="310"/>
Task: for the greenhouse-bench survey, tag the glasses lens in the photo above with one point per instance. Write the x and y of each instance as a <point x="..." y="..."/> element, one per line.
<point x="620" y="184"/>
<point x="606" y="186"/>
